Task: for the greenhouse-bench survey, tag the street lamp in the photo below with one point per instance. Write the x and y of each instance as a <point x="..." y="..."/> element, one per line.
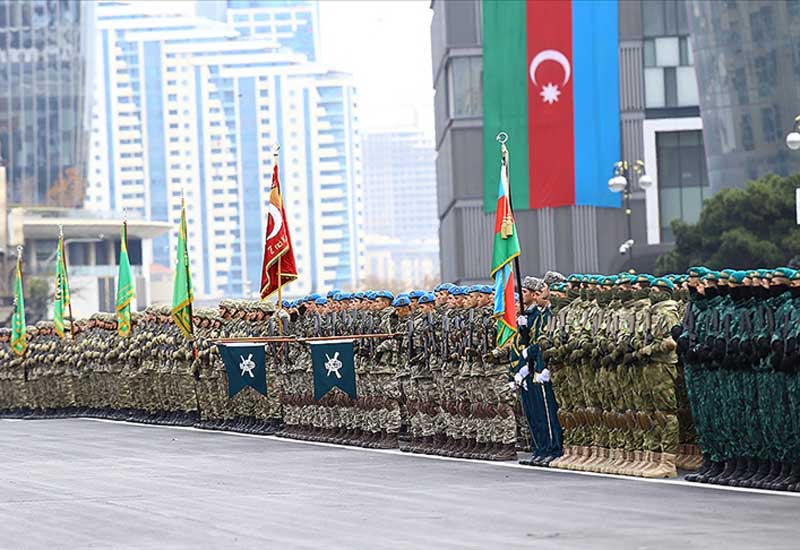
<point x="620" y="182"/>
<point x="793" y="138"/>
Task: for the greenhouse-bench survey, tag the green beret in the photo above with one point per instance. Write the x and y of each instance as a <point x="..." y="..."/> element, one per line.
<point x="725" y="274"/>
<point x="786" y="272"/>
<point x="697" y="271"/>
<point x="663" y="282"/>
<point x="738" y="277"/>
<point x="574" y="278"/>
<point x="711" y="276"/>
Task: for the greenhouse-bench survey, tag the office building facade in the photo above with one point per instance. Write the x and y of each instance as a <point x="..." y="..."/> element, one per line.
<point x="748" y="66"/>
<point x="45" y="60"/>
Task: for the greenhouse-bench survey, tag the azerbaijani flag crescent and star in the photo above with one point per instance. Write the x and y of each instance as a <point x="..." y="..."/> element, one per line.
<point x="278" y="267"/>
<point x="504" y="250"/>
<point x="550" y="80"/>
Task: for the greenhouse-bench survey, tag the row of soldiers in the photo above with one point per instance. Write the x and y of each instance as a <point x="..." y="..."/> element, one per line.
<point x="593" y="381"/>
<point x="420" y="370"/>
<point x="739" y="347"/>
<point x="603" y="346"/>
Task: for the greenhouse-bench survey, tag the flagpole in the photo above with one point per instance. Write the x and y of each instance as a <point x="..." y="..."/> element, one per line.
<point x="502" y="138"/>
<point x="275" y="149"/>
<point x="64" y="260"/>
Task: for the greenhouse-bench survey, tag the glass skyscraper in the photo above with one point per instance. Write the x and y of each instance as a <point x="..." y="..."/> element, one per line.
<point x="747" y="56"/>
<point x="44" y="53"/>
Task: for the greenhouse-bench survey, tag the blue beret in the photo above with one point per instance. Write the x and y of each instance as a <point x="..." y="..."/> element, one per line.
<point x="384" y="294"/>
<point x="487" y="289"/>
<point x="416" y="294"/>
<point x="370" y="295"/>
<point x="427" y="298"/>
<point x="401" y="301"/>
<point x="473" y="288"/>
<point x="443" y="286"/>
<point x="456" y="291"/>
<point x="334" y="292"/>
<point x="286" y="303"/>
<point x="321" y="301"/>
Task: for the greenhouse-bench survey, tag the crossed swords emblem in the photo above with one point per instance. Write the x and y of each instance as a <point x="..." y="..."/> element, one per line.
<point x="333" y="365"/>
<point x="247" y="365"/>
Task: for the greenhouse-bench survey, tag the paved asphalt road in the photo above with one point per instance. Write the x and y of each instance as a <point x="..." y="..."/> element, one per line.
<point x="89" y="484"/>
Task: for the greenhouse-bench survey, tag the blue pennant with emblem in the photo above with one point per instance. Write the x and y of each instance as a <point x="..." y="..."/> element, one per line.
<point x="334" y="367"/>
<point x="245" y="365"/>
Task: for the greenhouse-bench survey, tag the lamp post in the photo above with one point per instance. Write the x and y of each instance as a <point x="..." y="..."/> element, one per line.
<point x="793" y="137"/>
<point x="620" y="182"/>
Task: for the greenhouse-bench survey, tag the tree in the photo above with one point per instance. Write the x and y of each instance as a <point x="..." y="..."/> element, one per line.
<point x="739" y="229"/>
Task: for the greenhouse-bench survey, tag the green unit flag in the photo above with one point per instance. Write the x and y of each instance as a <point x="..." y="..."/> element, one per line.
<point x="182" y="295"/>
<point x="334" y="367"/>
<point x="19" y="335"/>
<point x="62" y="298"/>
<point x="126" y="291"/>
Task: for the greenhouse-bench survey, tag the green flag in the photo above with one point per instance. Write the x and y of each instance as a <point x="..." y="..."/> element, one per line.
<point x="19" y="337"/>
<point x="126" y="291"/>
<point x="182" y="295"/>
<point x="61" y="304"/>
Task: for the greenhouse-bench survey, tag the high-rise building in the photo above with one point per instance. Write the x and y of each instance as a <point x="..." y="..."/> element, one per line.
<point x="659" y="124"/>
<point x="748" y="66"/>
<point x="291" y="23"/>
<point x="188" y="106"/>
<point x="45" y="58"/>
<point x="400" y="207"/>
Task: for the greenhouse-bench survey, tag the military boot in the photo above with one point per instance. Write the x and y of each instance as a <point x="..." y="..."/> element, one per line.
<point x="703" y="470"/>
<point x="774" y="472"/>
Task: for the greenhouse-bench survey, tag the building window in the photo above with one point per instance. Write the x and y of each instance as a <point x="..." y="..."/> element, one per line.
<point x="465" y="81"/>
<point x="770" y="123"/>
<point x="682" y="178"/>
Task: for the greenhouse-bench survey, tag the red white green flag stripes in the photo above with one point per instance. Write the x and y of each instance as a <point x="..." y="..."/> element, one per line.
<point x="506" y="248"/>
<point x="550" y="80"/>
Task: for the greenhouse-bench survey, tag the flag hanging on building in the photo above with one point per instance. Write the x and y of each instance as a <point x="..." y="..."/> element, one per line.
<point x="126" y="291"/>
<point x="278" y="267"/>
<point x="550" y="80"/>
<point x="245" y="365"/>
<point x="19" y="335"/>
<point x="62" y="298"/>
<point x="182" y="295"/>
<point x="505" y="249"/>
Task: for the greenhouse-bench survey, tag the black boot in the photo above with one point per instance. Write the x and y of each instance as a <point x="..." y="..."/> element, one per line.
<point x="764" y="467"/>
<point x="740" y="466"/>
<point x="715" y="469"/>
<point x="725" y="474"/>
<point x="703" y="470"/>
<point x="751" y="469"/>
<point x="774" y="474"/>
<point x="781" y="482"/>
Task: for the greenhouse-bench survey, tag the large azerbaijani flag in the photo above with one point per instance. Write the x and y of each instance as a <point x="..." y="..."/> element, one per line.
<point x="550" y="80"/>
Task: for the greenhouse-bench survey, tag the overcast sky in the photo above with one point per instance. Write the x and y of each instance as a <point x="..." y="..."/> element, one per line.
<point x="385" y="44"/>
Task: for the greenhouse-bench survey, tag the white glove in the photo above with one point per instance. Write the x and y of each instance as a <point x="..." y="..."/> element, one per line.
<point x="524" y="371"/>
<point x="543" y="376"/>
<point x="525" y="385"/>
<point x="522" y="321"/>
<point x="512" y="386"/>
<point x="518" y="379"/>
<point x="525" y="354"/>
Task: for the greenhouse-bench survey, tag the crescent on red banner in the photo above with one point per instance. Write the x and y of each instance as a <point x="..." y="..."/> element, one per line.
<point x="278" y="267"/>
